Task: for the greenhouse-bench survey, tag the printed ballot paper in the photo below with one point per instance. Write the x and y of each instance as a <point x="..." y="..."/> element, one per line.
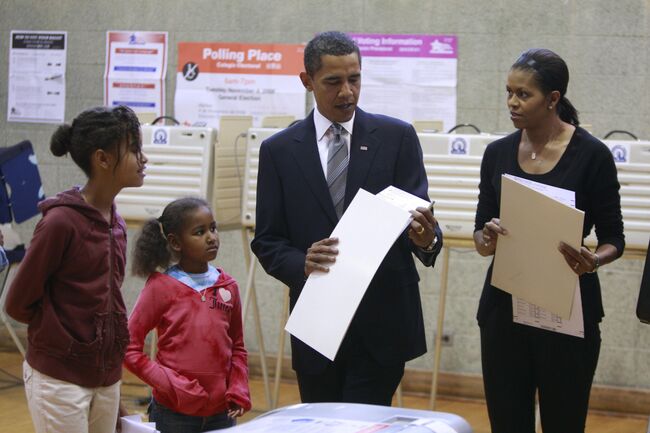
<point x="527" y="263"/>
<point x="329" y="300"/>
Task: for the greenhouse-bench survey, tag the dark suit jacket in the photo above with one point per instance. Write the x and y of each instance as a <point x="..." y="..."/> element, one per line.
<point x="643" y="303"/>
<point x="294" y="210"/>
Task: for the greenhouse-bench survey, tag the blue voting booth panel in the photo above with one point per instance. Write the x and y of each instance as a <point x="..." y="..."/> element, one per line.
<point x="20" y="183"/>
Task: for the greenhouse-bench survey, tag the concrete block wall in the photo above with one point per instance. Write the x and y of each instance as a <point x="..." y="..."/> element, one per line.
<point x="606" y="45"/>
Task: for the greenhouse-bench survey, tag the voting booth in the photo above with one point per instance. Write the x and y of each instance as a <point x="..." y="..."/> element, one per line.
<point x="229" y="160"/>
<point x="453" y="164"/>
<point x="254" y="139"/>
<point x="352" y="417"/>
<point x="180" y="165"/>
<point x="632" y="158"/>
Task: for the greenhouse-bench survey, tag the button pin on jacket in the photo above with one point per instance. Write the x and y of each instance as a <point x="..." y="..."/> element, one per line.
<point x="225" y="294"/>
<point x="363" y="147"/>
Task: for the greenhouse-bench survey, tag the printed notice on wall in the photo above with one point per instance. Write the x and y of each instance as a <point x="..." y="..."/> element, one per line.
<point x="136" y="66"/>
<point x="37" y="61"/>
<point x="225" y="78"/>
<point x="411" y="77"/>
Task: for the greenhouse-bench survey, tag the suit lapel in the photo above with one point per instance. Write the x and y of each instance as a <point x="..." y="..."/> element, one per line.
<point x="363" y="150"/>
<point x="306" y="154"/>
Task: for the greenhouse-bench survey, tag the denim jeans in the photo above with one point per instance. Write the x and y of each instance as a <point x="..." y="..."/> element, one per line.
<point x="168" y="421"/>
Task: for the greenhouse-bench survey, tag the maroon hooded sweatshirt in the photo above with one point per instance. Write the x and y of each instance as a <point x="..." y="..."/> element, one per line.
<point x="67" y="290"/>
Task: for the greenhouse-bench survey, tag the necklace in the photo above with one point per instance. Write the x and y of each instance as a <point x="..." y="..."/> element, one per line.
<point x="191" y="280"/>
<point x="552" y="137"/>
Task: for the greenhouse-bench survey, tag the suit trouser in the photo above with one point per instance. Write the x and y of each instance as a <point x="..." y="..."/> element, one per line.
<point x="57" y="406"/>
<point x="519" y="360"/>
<point x="354" y="377"/>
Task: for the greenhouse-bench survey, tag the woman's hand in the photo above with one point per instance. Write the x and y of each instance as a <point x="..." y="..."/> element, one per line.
<point x="580" y="261"/>
<point x="485" y="240"/>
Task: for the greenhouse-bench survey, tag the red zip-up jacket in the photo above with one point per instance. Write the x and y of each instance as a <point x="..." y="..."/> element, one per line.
<point x="67" y="290"/>
<point x="201" y="364"/>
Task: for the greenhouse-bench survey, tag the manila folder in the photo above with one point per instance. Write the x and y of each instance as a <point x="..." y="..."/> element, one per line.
<point x="527" y="263"/>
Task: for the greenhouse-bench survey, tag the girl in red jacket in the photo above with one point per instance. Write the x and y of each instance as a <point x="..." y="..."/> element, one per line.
<point x="67" y="288"/>
<point x="200" y="374"/>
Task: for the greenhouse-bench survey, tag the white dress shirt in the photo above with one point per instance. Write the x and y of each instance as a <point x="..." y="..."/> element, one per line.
<point x="322" y="124"/>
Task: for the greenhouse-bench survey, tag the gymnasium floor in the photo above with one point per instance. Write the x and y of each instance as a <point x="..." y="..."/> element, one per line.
<point x="14" y="415"/>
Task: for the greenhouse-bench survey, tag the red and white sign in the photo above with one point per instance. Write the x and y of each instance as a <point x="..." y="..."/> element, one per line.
<point x="136" y="66"/>
<point x="229" y="78"/>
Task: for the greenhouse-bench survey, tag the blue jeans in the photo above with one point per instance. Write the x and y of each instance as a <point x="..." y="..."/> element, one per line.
<point x="168" y="421"/>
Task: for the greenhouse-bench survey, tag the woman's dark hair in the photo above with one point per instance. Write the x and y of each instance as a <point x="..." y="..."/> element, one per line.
<point x="551" y="73"/>
<point x="97" y="128"/>
<point x="328" y="43"/>
<point x="151" y="250"/>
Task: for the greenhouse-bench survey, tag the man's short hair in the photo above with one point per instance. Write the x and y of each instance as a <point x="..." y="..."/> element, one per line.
<point x="328" y="43"/>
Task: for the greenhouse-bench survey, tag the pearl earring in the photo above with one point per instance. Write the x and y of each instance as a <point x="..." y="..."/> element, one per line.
<point x="550" y="107"/>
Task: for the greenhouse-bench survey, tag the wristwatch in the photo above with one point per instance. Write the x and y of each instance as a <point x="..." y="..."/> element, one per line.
<point x="596" y="265"/>
<point x="431" y="246"/>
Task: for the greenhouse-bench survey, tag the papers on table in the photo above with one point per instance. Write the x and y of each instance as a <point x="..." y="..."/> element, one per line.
<point x="292" y="424"/>
<point x="297" y="424"/>
<point x="527" y="263"/>
<point x="329" y="300"/>
<point x="134" y="424"/>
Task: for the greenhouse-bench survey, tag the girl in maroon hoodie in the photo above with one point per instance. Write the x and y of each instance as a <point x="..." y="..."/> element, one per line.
<point x="200" y="374"/>
<point x="68" y="286"/>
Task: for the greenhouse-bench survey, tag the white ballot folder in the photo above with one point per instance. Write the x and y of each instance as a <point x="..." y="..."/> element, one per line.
<point x="527" y="263"/>
<point x="366" y="231"/>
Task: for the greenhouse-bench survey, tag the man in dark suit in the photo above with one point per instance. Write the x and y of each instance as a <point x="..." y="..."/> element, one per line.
<point x="297" y="209"/>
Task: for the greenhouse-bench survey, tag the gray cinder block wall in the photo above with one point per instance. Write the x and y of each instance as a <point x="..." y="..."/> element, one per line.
<point x="606" y="45"/>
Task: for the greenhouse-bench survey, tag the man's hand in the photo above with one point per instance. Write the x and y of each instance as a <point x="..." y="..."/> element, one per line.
<point x="422" y="231"/>
<point x="321" y="255"/>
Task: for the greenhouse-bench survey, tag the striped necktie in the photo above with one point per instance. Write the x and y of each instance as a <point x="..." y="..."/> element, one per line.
<point x="337" y="166"/>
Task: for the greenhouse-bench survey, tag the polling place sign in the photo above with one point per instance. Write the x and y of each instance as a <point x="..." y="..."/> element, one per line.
<point x="228" y="78"/>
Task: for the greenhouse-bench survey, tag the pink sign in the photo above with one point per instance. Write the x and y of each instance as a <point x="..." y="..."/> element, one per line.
<point x="386" y="45"/>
